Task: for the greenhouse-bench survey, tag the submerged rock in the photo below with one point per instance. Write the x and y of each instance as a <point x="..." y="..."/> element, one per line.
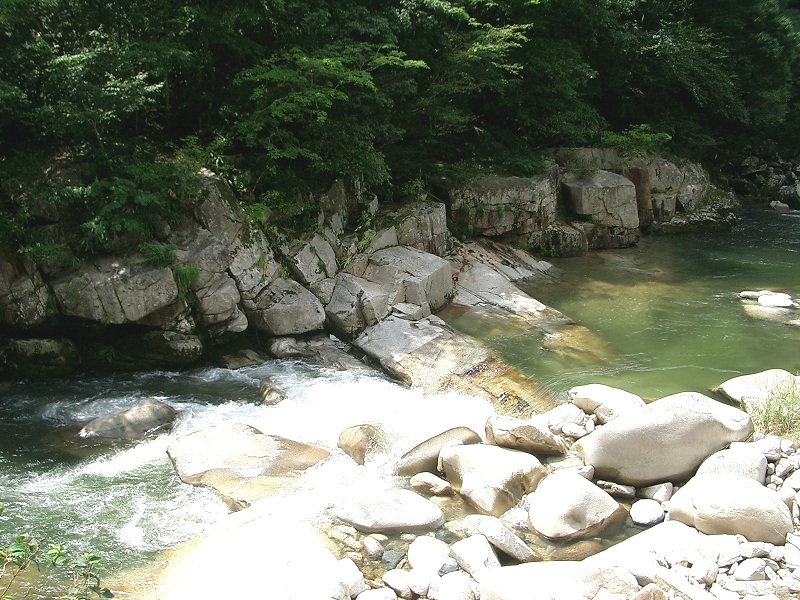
<point x="239" y="462"/>
<point x="146" y="418"/>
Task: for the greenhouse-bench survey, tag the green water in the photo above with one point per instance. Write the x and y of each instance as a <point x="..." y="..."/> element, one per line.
<point x="669" y="311"/>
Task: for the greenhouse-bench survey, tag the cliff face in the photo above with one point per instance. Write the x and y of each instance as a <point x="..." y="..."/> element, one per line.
<point x="227" y="278"/>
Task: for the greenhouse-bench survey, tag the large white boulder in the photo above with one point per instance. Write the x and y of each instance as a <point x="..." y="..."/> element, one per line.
<point x="604" y="198"/>
<point x="665" y="441"/>
<point x="357" y="303"/>
<point x="740" y="460"/>
<point x="490" y="478"/>
<point x="604" y="401"/>
<point x="286" y="308"/>
<point x="558" y="580"/>
<point x="393" y="511"/>
<point x="732" y="504"/>
<point x="757" y="388"/>
<point x="566" y="506"/>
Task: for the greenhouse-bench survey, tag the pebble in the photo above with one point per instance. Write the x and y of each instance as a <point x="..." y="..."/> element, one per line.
<point x="646" y="512"/>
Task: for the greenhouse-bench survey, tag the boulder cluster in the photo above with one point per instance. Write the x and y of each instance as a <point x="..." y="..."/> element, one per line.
<point x="769" y="305"/>
<point x="604" y="496"/>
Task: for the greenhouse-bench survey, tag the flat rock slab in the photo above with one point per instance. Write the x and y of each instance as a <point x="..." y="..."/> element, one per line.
<point x="665" y="441"/>
<point x="430" y="355"/>
<point x="239" y="462"/>
<point x="393" y="511"/>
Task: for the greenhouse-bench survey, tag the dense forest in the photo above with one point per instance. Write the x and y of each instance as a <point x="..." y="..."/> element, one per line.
<point x="107" y="108"/>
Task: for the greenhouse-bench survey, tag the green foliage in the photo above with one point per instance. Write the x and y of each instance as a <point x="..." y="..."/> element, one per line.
<point x="779" y="414"/>
<point x="158" y="255"/>
<point x="637" y="140"/>
<point x="186" y="277"/>
<point x="27" y="550"/>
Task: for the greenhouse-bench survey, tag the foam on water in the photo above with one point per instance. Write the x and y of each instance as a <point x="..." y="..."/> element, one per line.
<point x="127" y="502"/>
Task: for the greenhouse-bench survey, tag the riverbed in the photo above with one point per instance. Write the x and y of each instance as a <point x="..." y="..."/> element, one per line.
<point x="667" y="310"/>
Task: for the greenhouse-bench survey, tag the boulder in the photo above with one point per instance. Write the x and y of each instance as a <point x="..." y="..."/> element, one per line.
<point x="532" y="435"/>
<point x="326" y="350"/>
<point x="311" y="261"/>
<point x="603" y="198"/>
<point x="733" y="504"/>
<point x="423" y="278"/>
<point x="665" y="441"/>
<point x="357" y="303"/>
<point x="393" y="511"/>
<point x="361" y="441"/>
<point x="566" y="506"/>
<point x="287" y="308"/>
<point x="218" y="306"/>
<point x="456" y="585"/>
<point x="757" y="388"/>
<point x="558" y="580"/>
<point x="646" y="512"/>
<point x="146" y="418"/>
<point x="25" y="299"/>
<point x="747" y="462"/>
<point x="253" y="266"/>
<point x="239" y="462"/>
<point x="490" y="478"/>
<point x="111" y="291"/>
<point x="423" y="225"/>
<point x="500" y="205"/>
<point x="604" y="401"/>
<point x="269" y="393"/>
<point x="170" y="347"/>
<point x="425" y="455"/>
<point x="428" y="554"/>
<point x="430" y="485"/>
<point x="40" y="357"/>
<point x="271" y="556"/>
<point x="499" y="536"/>
<point x="475" y="556"/>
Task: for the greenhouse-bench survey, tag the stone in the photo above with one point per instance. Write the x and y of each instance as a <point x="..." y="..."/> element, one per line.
<point x="378" y="594"/>
<point x="646" y="512"/>
<point x="171" y="347"/>
<point x="146" y="418"/>
<point x="111" y="291"/>
<point x="372" y="547"/>
<point x="239" y="462"/>
<point x="558" y="580"/>
<point x="311" y="261"/>
<point x="731" y="504"/>
<point x="665" y="441"/>
<point x="419" y="581"/>
<point x="42" y="357"/>
<point x="424" y="278"/>
<point x="398" y="580"/>
<point x="565" y="506"/>
<point x="361" y="441"/>
<point x="532" y="435"/>
<point x="604" y="401"/>
<point x="253" y="266"/>
<point x="604" y="198"/>
<point x="777" y="300"/>
<point x="25" y="298"/>
<point x="660" y="491"/>
<point x="393" y="511"/>
<point x="352" y="577"/>
<point x="617" y="490"/>
<point x="499" y="536"/>
<point x="751" y="569"/>
<point x="287" y="308"/>
<point x="218" y="306"/>
<point x="428" y="554"/>
<point x="500" y="205"/>
<point x="424" y="456"/>
<point x="357" y="303"/>
<point x="430" y="484"/>
<point x="271" y="556"/>
<point x="456" y="585"/>
<point x="270" y="394"/>
<point x="423" y="225"/>
<point x="490" y="478"/>
<point x="475" y="556"/>
<point x="757" y="388"/>
<point x="743" y="461"/>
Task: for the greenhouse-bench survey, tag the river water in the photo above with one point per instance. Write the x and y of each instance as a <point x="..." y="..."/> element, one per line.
<point x="668" y="310"/>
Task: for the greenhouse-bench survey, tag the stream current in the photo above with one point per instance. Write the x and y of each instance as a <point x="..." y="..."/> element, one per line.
<point x="668" y="310"/>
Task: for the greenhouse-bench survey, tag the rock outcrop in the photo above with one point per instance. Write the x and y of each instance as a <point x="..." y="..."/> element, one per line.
<point x="145" y="418"/>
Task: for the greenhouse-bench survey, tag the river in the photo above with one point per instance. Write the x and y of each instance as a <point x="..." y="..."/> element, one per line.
<point x="668" y="310"/>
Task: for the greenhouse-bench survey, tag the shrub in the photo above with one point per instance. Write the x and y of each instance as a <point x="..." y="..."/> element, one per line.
<point x="780" y="414"/>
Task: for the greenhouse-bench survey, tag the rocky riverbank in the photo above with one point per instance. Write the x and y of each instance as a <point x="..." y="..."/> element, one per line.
<point x="528" y="509"/>
<point x="222" y="280"/>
